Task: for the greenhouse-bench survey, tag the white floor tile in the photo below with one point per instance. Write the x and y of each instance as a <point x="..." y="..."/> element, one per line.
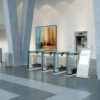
<point x="61" y="92"/>
<point x="5" y="95"/>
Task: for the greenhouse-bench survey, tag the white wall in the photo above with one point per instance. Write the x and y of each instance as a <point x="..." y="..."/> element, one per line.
<point x="3" y="43"/>
<point x="70" y="16"/>
<point x="3" y="39"/>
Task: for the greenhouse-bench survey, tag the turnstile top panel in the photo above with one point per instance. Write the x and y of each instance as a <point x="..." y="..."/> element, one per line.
<point x="37" y="51"/>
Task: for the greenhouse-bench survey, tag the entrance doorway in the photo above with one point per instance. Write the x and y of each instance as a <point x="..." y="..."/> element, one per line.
<point x="80" y="40"/>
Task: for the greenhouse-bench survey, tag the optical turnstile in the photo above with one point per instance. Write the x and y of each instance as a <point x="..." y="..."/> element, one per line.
<point x="35" y="59"/>
<point x="60" y="63"/>
<point x="48" y="60"/>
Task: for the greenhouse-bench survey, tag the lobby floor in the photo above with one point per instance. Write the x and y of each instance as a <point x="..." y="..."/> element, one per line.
<point x="22" y="84"/>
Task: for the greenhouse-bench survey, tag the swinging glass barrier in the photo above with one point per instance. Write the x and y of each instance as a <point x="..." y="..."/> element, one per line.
<point x="72" y="63"/>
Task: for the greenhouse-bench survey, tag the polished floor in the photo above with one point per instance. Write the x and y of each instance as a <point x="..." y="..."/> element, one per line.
<point x="22" y="84"/>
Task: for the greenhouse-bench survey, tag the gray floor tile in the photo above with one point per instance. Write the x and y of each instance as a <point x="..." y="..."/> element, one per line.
<point x="88" y="85"/>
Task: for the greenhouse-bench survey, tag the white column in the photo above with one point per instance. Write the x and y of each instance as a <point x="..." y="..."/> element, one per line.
<point x="96" y="7"/>
<point x="11" y="23"/>
<point x="26" y="27"/>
